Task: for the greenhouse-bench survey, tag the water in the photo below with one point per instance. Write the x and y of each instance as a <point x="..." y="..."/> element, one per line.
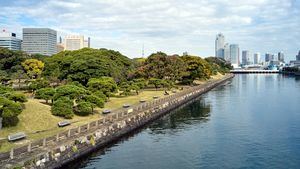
<point x="253" y="122"/>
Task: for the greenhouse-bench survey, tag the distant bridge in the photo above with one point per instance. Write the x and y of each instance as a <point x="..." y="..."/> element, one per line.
<point x="254" y="71"/>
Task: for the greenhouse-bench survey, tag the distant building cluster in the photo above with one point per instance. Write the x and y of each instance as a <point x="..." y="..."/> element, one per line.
<point x="231" y="53"/>
<point x="42" y="41"/>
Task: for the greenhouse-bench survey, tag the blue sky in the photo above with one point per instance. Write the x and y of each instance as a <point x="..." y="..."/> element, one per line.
<point x="172" y="26"/>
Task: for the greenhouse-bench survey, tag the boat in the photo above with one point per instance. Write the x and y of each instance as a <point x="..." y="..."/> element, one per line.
<point x="155" y="97"/>
<point x="63" y="123"/>
<point x="106" y="111"/>
<point x="16" y="136"/>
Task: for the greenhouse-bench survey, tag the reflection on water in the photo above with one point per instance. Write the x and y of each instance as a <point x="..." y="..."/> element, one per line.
<point x="181" y="118"/>
<point x="252" y="122"/>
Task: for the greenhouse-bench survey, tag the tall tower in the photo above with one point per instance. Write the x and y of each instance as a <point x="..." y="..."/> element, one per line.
<point x="280" y="56"/>
<point x="245" y="57"/>
<point x="227" y="52"/>
<point x="235" y="55"/>
<point x="256" y="58"/>
<point x="219" y="45"/>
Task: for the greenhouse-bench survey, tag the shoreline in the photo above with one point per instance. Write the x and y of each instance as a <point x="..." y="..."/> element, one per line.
<point x="79" y="142"/>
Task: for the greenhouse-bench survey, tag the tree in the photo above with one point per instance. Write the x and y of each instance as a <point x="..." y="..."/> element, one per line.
<point x="83" y="109"/>
<point x="39" y="84"/>
<point x="70" y="91"/>
<point x="161" y="66"/>
<point x="9" y="112"/>
<point x="197" y="68"/>
<point x="105" y="84"/>
<point x="84" y="64"/>
<point x="46" y="94"/>
<point x="156" y="82"/>
<point x="93" y="100"/>
<point x="63" y="107"/>
<point x="16" y="97"/>
<point x="33" y="67"/>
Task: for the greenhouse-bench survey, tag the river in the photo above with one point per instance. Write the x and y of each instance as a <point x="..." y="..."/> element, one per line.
<point x="252" y="122"/>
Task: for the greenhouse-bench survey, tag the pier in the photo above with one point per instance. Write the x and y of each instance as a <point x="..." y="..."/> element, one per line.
<point x="253" y="71"/>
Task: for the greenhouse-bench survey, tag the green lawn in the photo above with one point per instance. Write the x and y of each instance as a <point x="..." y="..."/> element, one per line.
<point x="37" y="121"/>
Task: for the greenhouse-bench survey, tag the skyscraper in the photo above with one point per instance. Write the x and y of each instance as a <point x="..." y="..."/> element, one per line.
<point x="74" y="42"/>
<point x="39" y="41"/>
<point x="219" y="45"/>
<point x="9" y="40"/>
<point x="256" y="57"/>
<point x="280" y="56"/>
<point x="227" y="52"/>
<point x="269" y="57"/>
<point x="298" y="56"/>
<point x="245" y="57"/>
<point x="235" y="55"/>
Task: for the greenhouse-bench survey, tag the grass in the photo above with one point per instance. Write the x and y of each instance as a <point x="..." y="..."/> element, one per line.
<point x="37" y="121"/>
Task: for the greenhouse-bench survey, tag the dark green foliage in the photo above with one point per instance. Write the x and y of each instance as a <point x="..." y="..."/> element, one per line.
<point x="63" y="107"/>
<point x="106" y="85"/>
<point x="101" y="95"/>
<point x="84" y="64"/>
<point x="83" y="109"/>
<point x="39" y="84"/>
<point x="5" y="89"/>
<point x="9" y="111"/>
<point x="219" y="65"/>
<point x="158" y="83"/>
<point x="16" y="97"/>
<point x="10" y="61"/>
<point x="70" y="91"/>
<point x="197" y="68"/>
<point x="45" y="93"/>
<point x="161" y="66"/>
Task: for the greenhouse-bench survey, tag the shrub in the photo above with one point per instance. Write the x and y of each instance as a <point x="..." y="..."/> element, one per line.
<point x="9" y="111"/>
<point x="16" y="97"/>
<point x="63" y="107"/>
<point x="83" y="109"/>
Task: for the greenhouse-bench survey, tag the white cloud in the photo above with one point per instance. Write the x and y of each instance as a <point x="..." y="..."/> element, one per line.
<point x="169" y="25"/>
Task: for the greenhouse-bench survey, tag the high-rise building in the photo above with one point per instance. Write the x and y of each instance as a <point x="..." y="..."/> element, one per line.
<point x="280" y="56"/>
<point x="9" y="40"/>
<point x="298" y="56"/>
<point x="269" y="57"/>
<point x="245" y="57"/>
<point x="256" y="58"/>
<point x="235" y="55"/>
<point x="227" y="52"/>
<point x="39" y="41"/>
<point x="74" y="42"/>
<point x="219" y="45"/>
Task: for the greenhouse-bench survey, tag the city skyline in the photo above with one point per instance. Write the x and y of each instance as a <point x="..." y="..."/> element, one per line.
<point x="170" y="26"/>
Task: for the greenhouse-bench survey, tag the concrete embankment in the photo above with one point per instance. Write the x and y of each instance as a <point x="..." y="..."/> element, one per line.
<point x="72" y="144"/>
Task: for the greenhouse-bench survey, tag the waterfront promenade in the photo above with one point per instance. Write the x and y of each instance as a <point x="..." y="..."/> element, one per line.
<point x="53" y="152"/>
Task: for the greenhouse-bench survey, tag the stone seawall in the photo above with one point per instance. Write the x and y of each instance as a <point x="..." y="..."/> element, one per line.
<point x="95" y="135"/>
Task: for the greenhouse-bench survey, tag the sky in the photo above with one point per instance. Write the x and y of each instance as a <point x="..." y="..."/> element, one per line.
<point x="171" y="26"/>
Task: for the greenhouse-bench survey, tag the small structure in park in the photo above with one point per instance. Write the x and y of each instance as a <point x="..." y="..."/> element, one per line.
<point x="126" y="105"/>
<point x="16" y="136"/>
<point x="106" y="111"/>
<point x="63" y="123"/>
<point x="142" y="101"/>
